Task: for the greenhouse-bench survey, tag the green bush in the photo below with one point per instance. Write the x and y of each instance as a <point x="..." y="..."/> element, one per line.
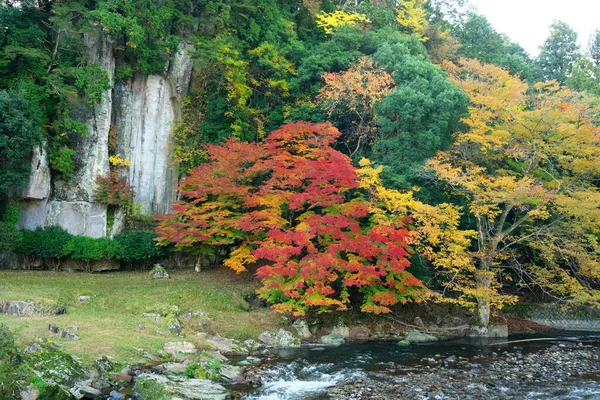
<point x="139" y="246"/>
<point x="210" y="368"/>
<point x="94" y="249"/>
<point x="10" y="236"/>
<point x="48" y="243"/>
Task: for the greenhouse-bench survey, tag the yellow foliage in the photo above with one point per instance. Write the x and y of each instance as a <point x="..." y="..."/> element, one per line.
<point x="412" y="16"/>
<point x="239" y="258"/>
<point x="331" y="21"/>
<point x="117" y="161"/>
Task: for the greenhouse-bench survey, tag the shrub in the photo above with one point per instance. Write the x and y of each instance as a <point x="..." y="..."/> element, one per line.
<point x="48" y="243"/>
<point x="113" y="190"/>
<point x="89" y="249"/>
<point x="139" y="246"/>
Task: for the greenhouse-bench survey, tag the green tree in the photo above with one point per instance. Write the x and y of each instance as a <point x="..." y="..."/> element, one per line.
<point x="482" y="42"/>
<point x="20" y="131"/>
<point x="594" y="48"/>
<point x="558" y="54"/>
<point x="418" y="117"/>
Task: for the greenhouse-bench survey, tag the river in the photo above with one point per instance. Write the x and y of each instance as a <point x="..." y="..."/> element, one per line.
<point x="565" y="368"/>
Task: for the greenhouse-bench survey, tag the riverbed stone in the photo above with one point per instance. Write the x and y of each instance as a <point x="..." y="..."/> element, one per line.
<point x="359" y="333"/>
<point x="178" y="349"/>
<point x="333" y="339"/>
<point x="420" y="337"/>
<point x="301" y="327"/>
<point x="283" y="338"/>
<point x="82" y="391"/>
<point x="232" y="373"/>
<point x="160" y="387"/>
<point x="404" y="343"/>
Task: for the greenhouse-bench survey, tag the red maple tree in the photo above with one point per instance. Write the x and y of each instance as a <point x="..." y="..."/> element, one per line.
<point x="293" y="203"/>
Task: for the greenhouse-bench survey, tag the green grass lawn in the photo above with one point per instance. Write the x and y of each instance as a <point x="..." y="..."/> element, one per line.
<point x="108" y="322"/>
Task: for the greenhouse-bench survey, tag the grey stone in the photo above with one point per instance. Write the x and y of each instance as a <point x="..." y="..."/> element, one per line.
<point x="420" y="337"/>
<point x="333" y="339"/>
<point x="83" y="299"/>
<point x="158" y="272"/>
<point x="342" y="330"/>
<point x="103" y="365"/>
<point x="29" y="393"/>
<point x="147" y="386"/>
<point x="179" y="348"/>
<point x="63" y="333"/>
<point x="114" y="395"/>
<point x="218" y="343"/>
<point x="232" y="373"/>
<point x="301" y="327"/>
<point x="419" y="322"/>
<point x="195" y="314"/>
<point x="359" y="333"/>
<point x="88" y="392"/>
<point x="27" y="309"/>
<point x="33" y="214"/>
<point x="283" y="338"/>
<point x="173" y="367"/>
<point x="78" y="217"/>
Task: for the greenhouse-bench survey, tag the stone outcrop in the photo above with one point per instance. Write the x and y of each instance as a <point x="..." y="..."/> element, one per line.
<point x="141" y="112"/>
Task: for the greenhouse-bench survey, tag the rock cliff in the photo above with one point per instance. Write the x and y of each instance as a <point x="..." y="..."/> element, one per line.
<point x="142" y="112"/>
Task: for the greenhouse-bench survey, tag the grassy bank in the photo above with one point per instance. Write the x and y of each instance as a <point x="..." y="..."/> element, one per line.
<point x="109" y="322"/>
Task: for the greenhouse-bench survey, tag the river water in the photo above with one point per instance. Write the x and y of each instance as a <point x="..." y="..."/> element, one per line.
<point x="567" y="367"/>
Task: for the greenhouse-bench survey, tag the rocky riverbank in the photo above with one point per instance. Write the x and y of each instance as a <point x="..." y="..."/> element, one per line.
<point x="559" y="371"/>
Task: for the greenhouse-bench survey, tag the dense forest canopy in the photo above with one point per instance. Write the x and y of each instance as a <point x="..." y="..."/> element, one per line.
<point x="489" y="156"/>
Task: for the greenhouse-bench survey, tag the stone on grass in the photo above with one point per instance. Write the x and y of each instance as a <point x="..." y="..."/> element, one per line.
<point x="283" y="338"/>
<point x="83" y="299"/>
<point x="218" y="343"/>
<point x="301" y="327"/>
<point x="158" y="272"/>
<point x="333" y="339"/>
<point x="160" y="387"/>
<point x="29" y="309"/>
<point x="420" y="337"/>
<point x="180" y="348"/>
<point x="63" y="333"/>
<point x="103" y="365"/>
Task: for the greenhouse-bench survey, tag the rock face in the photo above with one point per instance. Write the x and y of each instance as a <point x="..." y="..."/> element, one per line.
<point x="283" y="338"/>
<point x="142" y="113"/>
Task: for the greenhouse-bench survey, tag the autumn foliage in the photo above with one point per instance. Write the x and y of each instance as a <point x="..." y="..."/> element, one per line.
<point x="292" y="204"/>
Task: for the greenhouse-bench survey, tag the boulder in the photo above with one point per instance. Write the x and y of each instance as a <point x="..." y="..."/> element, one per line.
<point x="85" y="392"/>
<point x="301" y="327"/>
<point x="232" y="373"/>
<point x="359" y="333"/>
<point x="218" y="343"/>
<point x="178" y="349"/>
<point x="160" y="387"/>
<point x="333" y="339"/>
<point x="173" y="368"/>
<point x="420" y="337"/>
<point x="158" y="272"/>
<point x="283" y="338"/>
<point x="53" y="365"/>
<point x="28" y="309"/>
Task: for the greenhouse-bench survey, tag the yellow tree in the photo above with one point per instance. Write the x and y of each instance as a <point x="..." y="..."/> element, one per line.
<point x="331" y="21"/>
<point x="412" y="16"/>
<point x="527" y="165"/>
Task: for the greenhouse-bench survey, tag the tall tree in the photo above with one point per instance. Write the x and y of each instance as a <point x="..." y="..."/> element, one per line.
<point x="558" y="54"/>
<point x="594" y="48"/>
<point x="528" y="168"/>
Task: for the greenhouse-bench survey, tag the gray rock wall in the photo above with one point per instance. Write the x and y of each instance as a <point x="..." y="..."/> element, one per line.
<point x="143" y="112"/>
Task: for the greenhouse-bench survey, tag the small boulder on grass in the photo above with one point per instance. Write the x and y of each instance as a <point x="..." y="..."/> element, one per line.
<point x="159" y="272"/>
